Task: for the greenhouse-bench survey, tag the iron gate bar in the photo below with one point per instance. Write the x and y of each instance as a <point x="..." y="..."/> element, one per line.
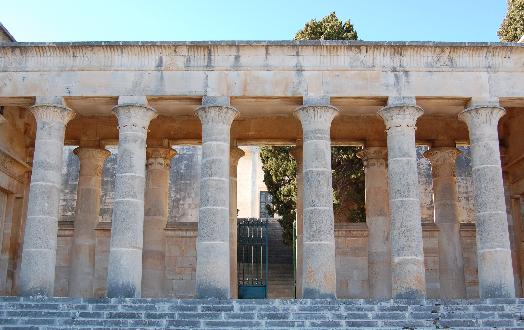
<point x="252" y="257"/>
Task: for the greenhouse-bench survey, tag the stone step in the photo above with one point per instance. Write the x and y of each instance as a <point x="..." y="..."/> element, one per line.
<point x="67" y="313"/>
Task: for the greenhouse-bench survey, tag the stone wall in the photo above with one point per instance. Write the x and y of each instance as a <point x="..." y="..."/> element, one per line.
<point x="181" y="259"/>
<point x="351" y="259"/>
<point x="103" y="238"/>
<point x="63" y="259"/>
<point x="351" y="239"/>
<point x="351" y="254"/>
<point x="184" y="189"/>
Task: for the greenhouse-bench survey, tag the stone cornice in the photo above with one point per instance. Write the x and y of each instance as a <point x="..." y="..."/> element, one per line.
<point x="266" y="55"/>
<point x="13" y="167"/>
<point x="182" y="226"/>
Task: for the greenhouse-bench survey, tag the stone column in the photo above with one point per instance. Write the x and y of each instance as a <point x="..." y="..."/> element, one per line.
<point x="493" y="248"/>
<point x="213" y="268"/>
<point x="319" y="273"/>
<point x="124" y="277"/>
<point x="408" y="274"/>
<point x="445" y="196"/>
<point x="297" y="153"/>
<point x="236" y="154"/>
<point x="155" y="219"/>
<point x="514" y="224"/>
<point x="515" y="238"/>
<point x="37" y="277"/>
<point x="88" y="194"/>
<point x="377" y="220"/>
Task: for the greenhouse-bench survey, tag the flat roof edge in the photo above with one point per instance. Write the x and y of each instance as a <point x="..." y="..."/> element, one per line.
<point x="261" y="43"/>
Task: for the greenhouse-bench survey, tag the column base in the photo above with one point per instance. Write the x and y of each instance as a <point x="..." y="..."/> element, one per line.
<point x="496" y="274"/>
<point x="409" y="280"/>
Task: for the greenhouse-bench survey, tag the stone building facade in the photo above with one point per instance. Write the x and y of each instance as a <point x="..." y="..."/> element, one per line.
<point x="456" y="233"/>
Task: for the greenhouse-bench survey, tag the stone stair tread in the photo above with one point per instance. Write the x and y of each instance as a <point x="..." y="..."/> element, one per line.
<point x="67" y="313"/>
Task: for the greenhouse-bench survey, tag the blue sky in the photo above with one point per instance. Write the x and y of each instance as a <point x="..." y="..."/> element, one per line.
<point x="89" y="20"/>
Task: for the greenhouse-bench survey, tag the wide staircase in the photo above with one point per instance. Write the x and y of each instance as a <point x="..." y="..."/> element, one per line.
<point x="67" y="313"/>
<point x="281" y="282"/>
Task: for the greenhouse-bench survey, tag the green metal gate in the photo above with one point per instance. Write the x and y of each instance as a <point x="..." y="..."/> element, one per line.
<point x="252" y="258"/>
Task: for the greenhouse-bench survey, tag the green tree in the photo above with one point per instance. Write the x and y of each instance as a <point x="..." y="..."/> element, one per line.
<point x="280" y="167"/>
<point x="328" y="28"/>
<point x="512" y="27"/>
<point x="280" y="177"/>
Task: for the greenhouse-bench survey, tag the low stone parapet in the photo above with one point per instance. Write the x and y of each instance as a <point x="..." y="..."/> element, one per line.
<point x="66" y="313"/>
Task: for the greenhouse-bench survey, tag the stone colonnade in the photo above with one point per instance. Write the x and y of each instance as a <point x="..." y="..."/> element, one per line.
<point x="445" y="195"/>
<point x="493" y="245"/>
<point x="407" y="259"/>
<point x="155" y="219"/>
<point x="318" y="246"/>
<point x="377" y="219"/>
<point x="37" y="274"/>
<point x="89" y="191"/>
<point x="128" y="274"/>
<point x="236" y="154"/>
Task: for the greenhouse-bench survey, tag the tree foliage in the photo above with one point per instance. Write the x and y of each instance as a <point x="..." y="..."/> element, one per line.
<point x="512" y="27"/>
<point x="348" y="175"/>
<point x="280" y="175"/>
<point x="328" y="28"/>
<point x="348" y="184"/>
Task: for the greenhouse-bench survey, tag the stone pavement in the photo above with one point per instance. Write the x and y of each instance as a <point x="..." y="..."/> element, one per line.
<point x="129" y="313"/>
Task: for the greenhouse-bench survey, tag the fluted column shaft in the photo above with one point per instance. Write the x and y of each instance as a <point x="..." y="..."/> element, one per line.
<point x="236" y="154"/>
<point x="408" y="274"/>
<point x="445" y="196"/>
<point x="37" y="275"/>
<point x="377" y="220"/>
<point x="156" y="200"/>
<point x="493" y="247"/>
<point x="124" y="278"/>
<point x="89" y="190"/>
<point x="297" y="153"/>
<point x="318" y="273"/>
<point x="213" y="258"/>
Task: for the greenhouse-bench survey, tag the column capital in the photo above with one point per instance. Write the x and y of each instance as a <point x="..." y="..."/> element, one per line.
<point x="217" y="114"/>
<point x="373" y="153"/>
<point x="159" y="157"/>
<point x="313" y="115"/>
<point x="442" y="160"/>
<point x="91" y="160"/>
<point x="134" y="116"/>
<point x="400" y="115"/>
<point x="52" y="113"/>
<point x="373" y="156"/>
<point x="235" y="154"/>
<point x="479" y="117"/>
